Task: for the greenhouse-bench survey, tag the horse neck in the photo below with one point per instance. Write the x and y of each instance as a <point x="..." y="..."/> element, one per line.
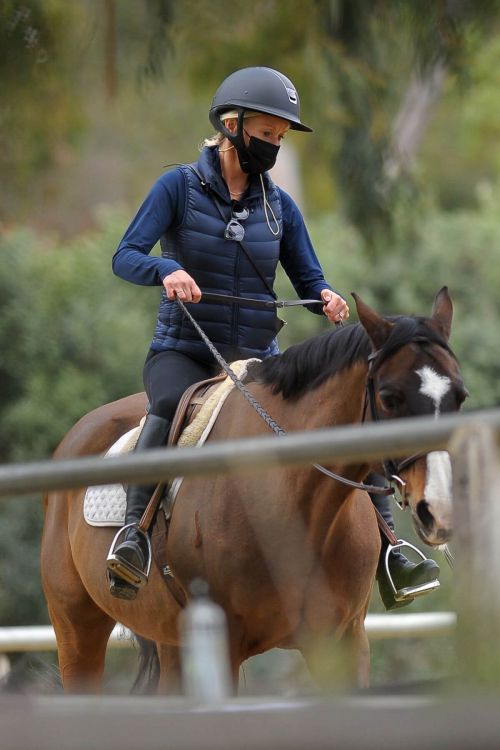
<point x="318" y="499"/>
<point x="337" y="401"/>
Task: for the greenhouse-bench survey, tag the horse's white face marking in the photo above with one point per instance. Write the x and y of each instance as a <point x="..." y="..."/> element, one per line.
<point x="438" y="481"/>
<point x="434" y="386"/>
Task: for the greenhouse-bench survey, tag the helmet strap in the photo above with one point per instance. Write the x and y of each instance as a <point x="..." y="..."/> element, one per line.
<point x="222" y="128"/>
<point x="236" y="139"/>
<point x="238" y="142"/>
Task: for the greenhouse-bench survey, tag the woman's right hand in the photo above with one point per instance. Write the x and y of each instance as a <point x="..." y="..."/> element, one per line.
<point x="180" y="284"/>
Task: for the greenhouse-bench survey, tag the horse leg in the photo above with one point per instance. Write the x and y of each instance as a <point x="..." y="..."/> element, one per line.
<point x="333" y="641"/>
<point x="82" y="629"/>
<point x="170" y="669"/>
<point x="358" y="646"/>
<point x="82" y="633"/>
<point x="81" y="646"/>
<point x="361" y="646"/>
<point x="237" y="653"/>
<point x="337" y="663"/>
<point x="336" y="648"/>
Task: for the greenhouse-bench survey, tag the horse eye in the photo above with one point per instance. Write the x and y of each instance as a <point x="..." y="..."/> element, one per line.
<point x="390" y="400"/>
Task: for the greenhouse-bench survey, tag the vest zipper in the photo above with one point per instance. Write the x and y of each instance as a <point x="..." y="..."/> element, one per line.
<point x="236" y="308"/>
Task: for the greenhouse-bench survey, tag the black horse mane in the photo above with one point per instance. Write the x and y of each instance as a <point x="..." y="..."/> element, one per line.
<point x="304" y="367"/>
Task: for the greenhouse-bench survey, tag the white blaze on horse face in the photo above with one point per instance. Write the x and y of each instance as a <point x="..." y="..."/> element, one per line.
<point x="437" y="491"/>
<point x="433" y="385"/>
<point x="438" y="480"/>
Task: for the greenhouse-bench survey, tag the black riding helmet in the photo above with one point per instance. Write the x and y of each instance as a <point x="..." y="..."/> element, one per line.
<point x="261" y="90"/>
<point x="258" y="90"/>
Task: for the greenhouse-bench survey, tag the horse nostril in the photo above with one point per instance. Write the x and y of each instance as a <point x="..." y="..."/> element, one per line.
<point x="424" y="514"/>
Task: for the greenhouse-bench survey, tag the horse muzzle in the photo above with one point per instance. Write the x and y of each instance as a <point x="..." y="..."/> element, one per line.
<point x="432" y="528"/>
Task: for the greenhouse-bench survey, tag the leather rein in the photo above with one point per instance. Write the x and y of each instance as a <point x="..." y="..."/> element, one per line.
<point x="391" y="467"/>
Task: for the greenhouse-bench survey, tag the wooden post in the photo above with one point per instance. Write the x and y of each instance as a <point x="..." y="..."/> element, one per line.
<point x="476" y="490"/>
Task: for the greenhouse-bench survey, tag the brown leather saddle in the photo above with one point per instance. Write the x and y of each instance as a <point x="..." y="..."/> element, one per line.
<point x="190" y="404"/>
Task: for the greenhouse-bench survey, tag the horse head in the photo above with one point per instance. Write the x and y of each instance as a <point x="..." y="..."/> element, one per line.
<point x="424" y="379"/>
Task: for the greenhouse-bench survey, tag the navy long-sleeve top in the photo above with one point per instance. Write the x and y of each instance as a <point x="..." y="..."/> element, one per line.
<point x="165" y="205"/>
<point x="184" y="208"/>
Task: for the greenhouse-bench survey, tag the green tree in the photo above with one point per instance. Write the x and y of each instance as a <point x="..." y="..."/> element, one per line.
<point x="370" y="75"/>
<point x="385" y="107"/>
<point x="33" y="60"/>
<point x="72" y="338"/>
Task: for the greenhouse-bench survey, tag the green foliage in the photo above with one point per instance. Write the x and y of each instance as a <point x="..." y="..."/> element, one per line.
<point x="462" y="149"/>
<point x="33" y="57"/>
<point x="72" y="334"/>
<point x="458" y="249"/>
<point x="72" y="337"/>
<point x="352" y="61"/>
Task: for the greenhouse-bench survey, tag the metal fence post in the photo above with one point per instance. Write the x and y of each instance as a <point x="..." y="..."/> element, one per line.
<point x="476" y="483"/>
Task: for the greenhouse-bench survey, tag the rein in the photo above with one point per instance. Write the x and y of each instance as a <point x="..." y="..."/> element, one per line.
<point x="259" y="304"/>
<point x="270" y="422"/>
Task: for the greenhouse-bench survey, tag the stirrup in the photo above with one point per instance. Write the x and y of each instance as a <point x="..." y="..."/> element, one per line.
<point x="124" y="569"/>
<point x="408" y="592"/>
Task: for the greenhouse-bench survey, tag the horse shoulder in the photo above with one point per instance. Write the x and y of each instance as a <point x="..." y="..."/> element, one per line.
<point x="353" y="541"/>
<point x="96" y="431"/>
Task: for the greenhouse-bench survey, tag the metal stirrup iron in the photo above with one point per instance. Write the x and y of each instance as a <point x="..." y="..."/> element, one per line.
<point x="407" y="592"/>
<point x="124" y="569"/>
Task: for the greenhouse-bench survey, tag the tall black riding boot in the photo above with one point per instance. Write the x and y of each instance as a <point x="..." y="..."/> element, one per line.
<point x="422" y="576"/>
<point x="132" y="555"/>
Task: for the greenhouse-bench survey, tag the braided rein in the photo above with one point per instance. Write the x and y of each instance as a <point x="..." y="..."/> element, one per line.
<point x="270" y="422"/>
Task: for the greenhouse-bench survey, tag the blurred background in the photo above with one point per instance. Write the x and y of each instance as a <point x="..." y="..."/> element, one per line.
<point x="399" y="184"/>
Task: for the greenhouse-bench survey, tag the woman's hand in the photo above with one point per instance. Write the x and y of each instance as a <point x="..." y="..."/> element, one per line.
<point x="180" y="284"/>
<point x="335" y="309"/>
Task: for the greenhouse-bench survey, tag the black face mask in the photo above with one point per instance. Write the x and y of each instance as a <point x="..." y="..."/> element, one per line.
<point x="258" y="157"/>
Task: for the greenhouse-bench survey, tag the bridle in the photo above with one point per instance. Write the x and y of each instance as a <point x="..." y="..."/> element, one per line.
<point x="391" y="467"/>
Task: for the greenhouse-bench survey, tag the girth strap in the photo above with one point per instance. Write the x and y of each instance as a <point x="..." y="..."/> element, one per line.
<point x="159" y="544"/>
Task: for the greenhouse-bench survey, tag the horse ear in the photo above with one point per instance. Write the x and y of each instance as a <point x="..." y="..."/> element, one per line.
<point x="442" y="312"/>
<point x="377" y="328"/>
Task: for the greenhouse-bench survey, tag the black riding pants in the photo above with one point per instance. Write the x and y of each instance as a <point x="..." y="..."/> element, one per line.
<point x="167" y="375"/>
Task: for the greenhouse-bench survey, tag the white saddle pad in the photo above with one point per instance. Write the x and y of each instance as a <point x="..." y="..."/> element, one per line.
<point x="105" y="505"/>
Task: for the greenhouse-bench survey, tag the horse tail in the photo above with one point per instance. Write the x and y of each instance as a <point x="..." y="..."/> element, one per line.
<point x="30" y="674"/>
<point x="148" y="675"/>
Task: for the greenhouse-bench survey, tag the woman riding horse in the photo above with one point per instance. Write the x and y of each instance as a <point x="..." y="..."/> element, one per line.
<point x="223" y="226"/>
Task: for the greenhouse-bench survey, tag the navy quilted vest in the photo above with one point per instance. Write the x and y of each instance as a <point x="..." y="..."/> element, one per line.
<point x="221" y="266"/>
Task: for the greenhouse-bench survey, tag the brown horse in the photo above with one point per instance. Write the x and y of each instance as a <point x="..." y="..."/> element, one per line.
<point x="290" y="554"/>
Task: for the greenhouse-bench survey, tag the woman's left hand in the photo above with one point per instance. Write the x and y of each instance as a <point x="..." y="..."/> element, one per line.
<point x="336" y="308"/>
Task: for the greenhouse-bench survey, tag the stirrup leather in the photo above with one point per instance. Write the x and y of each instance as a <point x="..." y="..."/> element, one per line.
<point x="125" y="570"/>
<point x="408" y="592"/>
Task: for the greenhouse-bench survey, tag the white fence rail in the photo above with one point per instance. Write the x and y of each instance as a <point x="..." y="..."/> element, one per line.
<point x="378" y="627"/>
<point x="347" y="443"/>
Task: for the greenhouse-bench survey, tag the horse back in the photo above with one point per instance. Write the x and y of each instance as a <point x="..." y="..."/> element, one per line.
<point x="95" y="432"/>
